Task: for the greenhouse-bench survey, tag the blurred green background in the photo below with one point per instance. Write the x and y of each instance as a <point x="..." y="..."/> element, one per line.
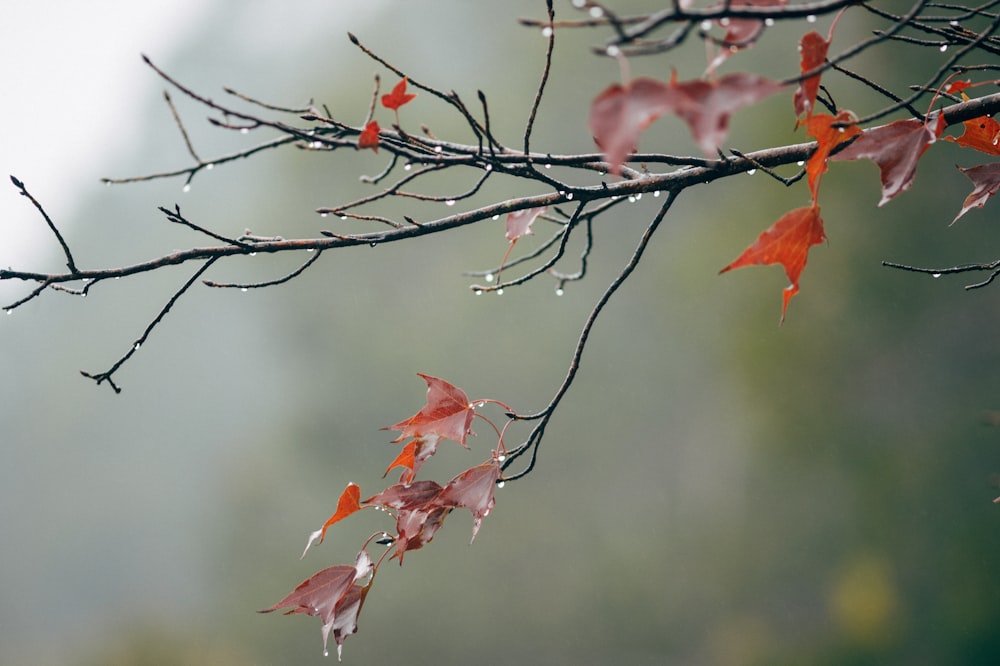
<point x="715" y="489"/>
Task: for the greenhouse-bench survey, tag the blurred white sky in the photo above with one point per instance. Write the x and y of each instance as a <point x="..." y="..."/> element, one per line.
<point x="69" y="71"/>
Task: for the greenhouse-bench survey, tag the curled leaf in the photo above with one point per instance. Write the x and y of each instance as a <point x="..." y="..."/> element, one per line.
<point x="369" y="136"/>
<point x="986" y="179"/>
<point x="346" y="505"/>
<point x="448" y="413"/>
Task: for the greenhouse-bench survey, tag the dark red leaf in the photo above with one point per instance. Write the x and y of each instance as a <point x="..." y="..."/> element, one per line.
<point x="369" y="136"/>
<point x="740" y="33"/>
<point x="473" y="490"/>
<point x="406" y="495"/>
<point x="345" y="615"/>
<point x="416" y="527"/>
<point x="895" y="148"/>
<point x="398" y="97"/>
<point x="413" y="456"/>
<point x="706" y="106"/>
<point x="448" y="413"/>
<point x="986" y="179"/>
<point x="786" y="242"/>
<point x="620" y="114"/>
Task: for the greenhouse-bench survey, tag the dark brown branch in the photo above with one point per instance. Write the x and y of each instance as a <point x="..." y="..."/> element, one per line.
<point x="70" y="263"/>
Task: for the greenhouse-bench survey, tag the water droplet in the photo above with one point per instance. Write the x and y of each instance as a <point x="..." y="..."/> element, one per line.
<point x="724" y="22"/>
<point x="769" y="22"/>
<point x="253" y="254"/>
<point x="811" y="18"/>
<point x="496" y="217"/>
<point x="9" y="311"/>
<point x="343" y="217"/>
<point x="547" y="31"/>
<point x="209" y="166"/>
<point x="501" y="484"/>
<point x="489" y="277"/>
<point x="324" y="214"/>
<point x="800" y="162"/>
<point x="569" y="197"/>
<point x="186" y="188"/>
<point x="548" y="166"/>
<point x="751" y="172"/>
<point x="613" y="51"/>
<point x="437" y="149"/>
<point x="631" y="198"/>
<point x="244" y="130"/>
<point x="935" y="275"/>
<point x="478" y="292"/>
<point x="449" y="202"/>
<point x="107" y="183"/>
<point x="243" y="289"/>
<point x="407" y="166"/>
<point x="499" y="292"/>
<point x="656" y="194"/>
<point x="954" y="24"/>
<point x="310" y="249"/>
<point x="596" y="12"/>
<point x="706" y="26"/>
<point x="579" y="4"/>
<point x="372" y="244"/>
<point x="326" y="653"/>
<point x="944" y="47"/>
<point x="559" y="291"/>
<point x="501" y="458"/>
<point x="136" y="346"/>
<point x="638" y="196"/>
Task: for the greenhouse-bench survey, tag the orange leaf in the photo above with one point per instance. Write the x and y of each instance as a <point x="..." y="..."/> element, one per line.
<point x="786" y="242"/>
<point x="982" y="134"/>
<point x="813" y="48"/>
<point x="398" y="97"/>
<point x="346" y="505"/>
<point x="829" y="132"/>
<point x="413" y="456"/>
<point x="369" y="136"/>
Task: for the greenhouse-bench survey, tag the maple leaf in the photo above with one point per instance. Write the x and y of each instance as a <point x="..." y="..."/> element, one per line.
<point x="406" y="495"/>
<point x="740" y="33"/>
<point x="813" y="49"/>
<point x="369" y="136"/>
<point x="620" y="113"/>
<point x="398" y="97"/>
<point x="413" y="456"/>
<point x="473" y="490"/>
<point x="416" y="527"/>
<point x="829" y="132"/>
<point x="448" y="413"/>
<point x="786" y="242"/>
<point x="982" y="134"/>
<point x="519" y="222"/>
<point x="346" y="505"/>
<point x="895" y="148"/>
<point x="706" y="106"/>
<point x="320" y="594"/>
<point x="986" y="181"/>
<point x="345" y="614"/>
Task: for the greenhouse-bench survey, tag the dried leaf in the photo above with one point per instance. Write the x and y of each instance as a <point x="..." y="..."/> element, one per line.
<point x="982" y="134"/>
<point x="519" y="222"/>
<point x="786" y="242"/>
<point x="986" y="179"/>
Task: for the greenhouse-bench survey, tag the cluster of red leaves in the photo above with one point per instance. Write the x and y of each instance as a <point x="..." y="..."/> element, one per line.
<point x="621" y="113"/>
<point x="336" y="594"/>
<point x="395" y="99"/>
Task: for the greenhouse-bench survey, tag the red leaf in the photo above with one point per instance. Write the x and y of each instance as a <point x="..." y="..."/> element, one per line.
<point x="620" y="114"/>
<point x="369" y="136"/>
<point x="740" y="33"/>
<point x="398" y="97"/>
<point x="982" y="134"/>
<point x="986" y="179"/>
<point x="473" y="490"/>
<point x="519" y="222"/>
<point x="813" y="49"/>
<point x="829" y="132"/>
<point x="895" y="148"/>
<point x="447" y="414"/>
<point x="413" y="456"/>
<point x="706" y="106"/>
<point x="416" y="527"/>
<point x="406" y="495"/>
<point x="346" y="505"/>
<point x="345" y="615"/>
<point x="321" y="594"/>
<point x="786" y="242"/>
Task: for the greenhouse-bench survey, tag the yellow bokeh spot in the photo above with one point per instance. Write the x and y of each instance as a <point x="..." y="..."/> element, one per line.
<point x="864" y="601"/>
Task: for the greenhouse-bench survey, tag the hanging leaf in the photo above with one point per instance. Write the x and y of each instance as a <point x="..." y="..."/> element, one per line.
<point x="986" y="179"/>
<point x="620" y="114"/>
<point x="448" y="413"/>
<point x="786" y="242"/>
